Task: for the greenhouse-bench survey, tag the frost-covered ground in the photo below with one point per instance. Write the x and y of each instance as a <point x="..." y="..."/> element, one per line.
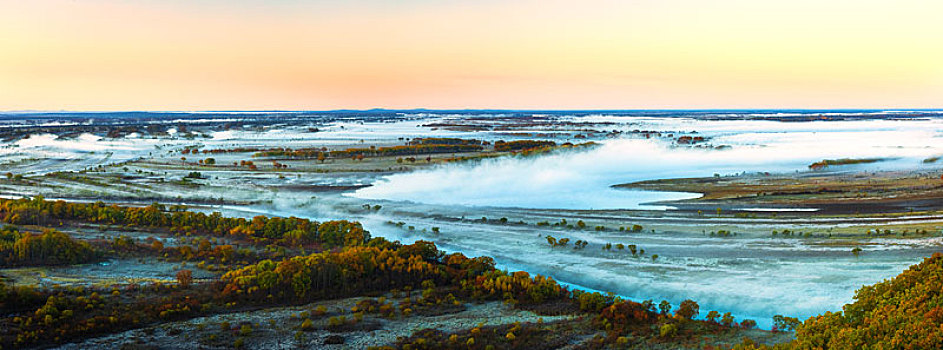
<point x="102" y="274"/>
<point x="275" y="328"/>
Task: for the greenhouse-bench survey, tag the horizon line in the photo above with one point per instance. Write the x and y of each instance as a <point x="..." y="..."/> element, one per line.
<point x="421" y="109"/>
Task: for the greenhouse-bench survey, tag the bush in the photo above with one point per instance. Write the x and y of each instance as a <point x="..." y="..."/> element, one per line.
<point x="668" y="330"/>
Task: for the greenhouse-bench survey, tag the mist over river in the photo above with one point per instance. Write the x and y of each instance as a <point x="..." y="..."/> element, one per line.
<point x="582" y="179"/>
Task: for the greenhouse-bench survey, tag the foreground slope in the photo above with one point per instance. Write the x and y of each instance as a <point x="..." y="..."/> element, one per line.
<point x="905" y="312"/>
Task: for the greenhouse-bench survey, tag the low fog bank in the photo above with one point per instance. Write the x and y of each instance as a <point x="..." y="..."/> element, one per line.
<point x="582" y="179"/>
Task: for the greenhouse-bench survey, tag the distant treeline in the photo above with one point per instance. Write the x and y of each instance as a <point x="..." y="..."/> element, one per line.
<point x="371" y="152"/>
<point x="843" y="161"/>
<point x="444" y="141"/>
<point x="417" y="146"/>
<point x="521" y="145"/>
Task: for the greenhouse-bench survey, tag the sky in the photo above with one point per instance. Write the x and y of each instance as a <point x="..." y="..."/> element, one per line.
<point x="104" y="55"/>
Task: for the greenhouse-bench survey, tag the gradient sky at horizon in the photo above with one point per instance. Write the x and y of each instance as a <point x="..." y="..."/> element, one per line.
<point x="99" y="55"/>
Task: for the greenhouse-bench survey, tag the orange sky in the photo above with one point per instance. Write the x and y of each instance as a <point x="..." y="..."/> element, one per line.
<point x="592" y="54"/>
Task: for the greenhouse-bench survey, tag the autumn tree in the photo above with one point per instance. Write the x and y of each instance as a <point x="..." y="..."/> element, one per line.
<point x="687" y="310"/>
<point x="748" y="324"/>
<point x="785" y="323"/>
<point x="184" y="278"/>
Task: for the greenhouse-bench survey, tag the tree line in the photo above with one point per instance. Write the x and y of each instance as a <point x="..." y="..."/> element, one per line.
<point x="51" y="247"/>
<point x="403" y="150"/>
<point x="260" y="229"/>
